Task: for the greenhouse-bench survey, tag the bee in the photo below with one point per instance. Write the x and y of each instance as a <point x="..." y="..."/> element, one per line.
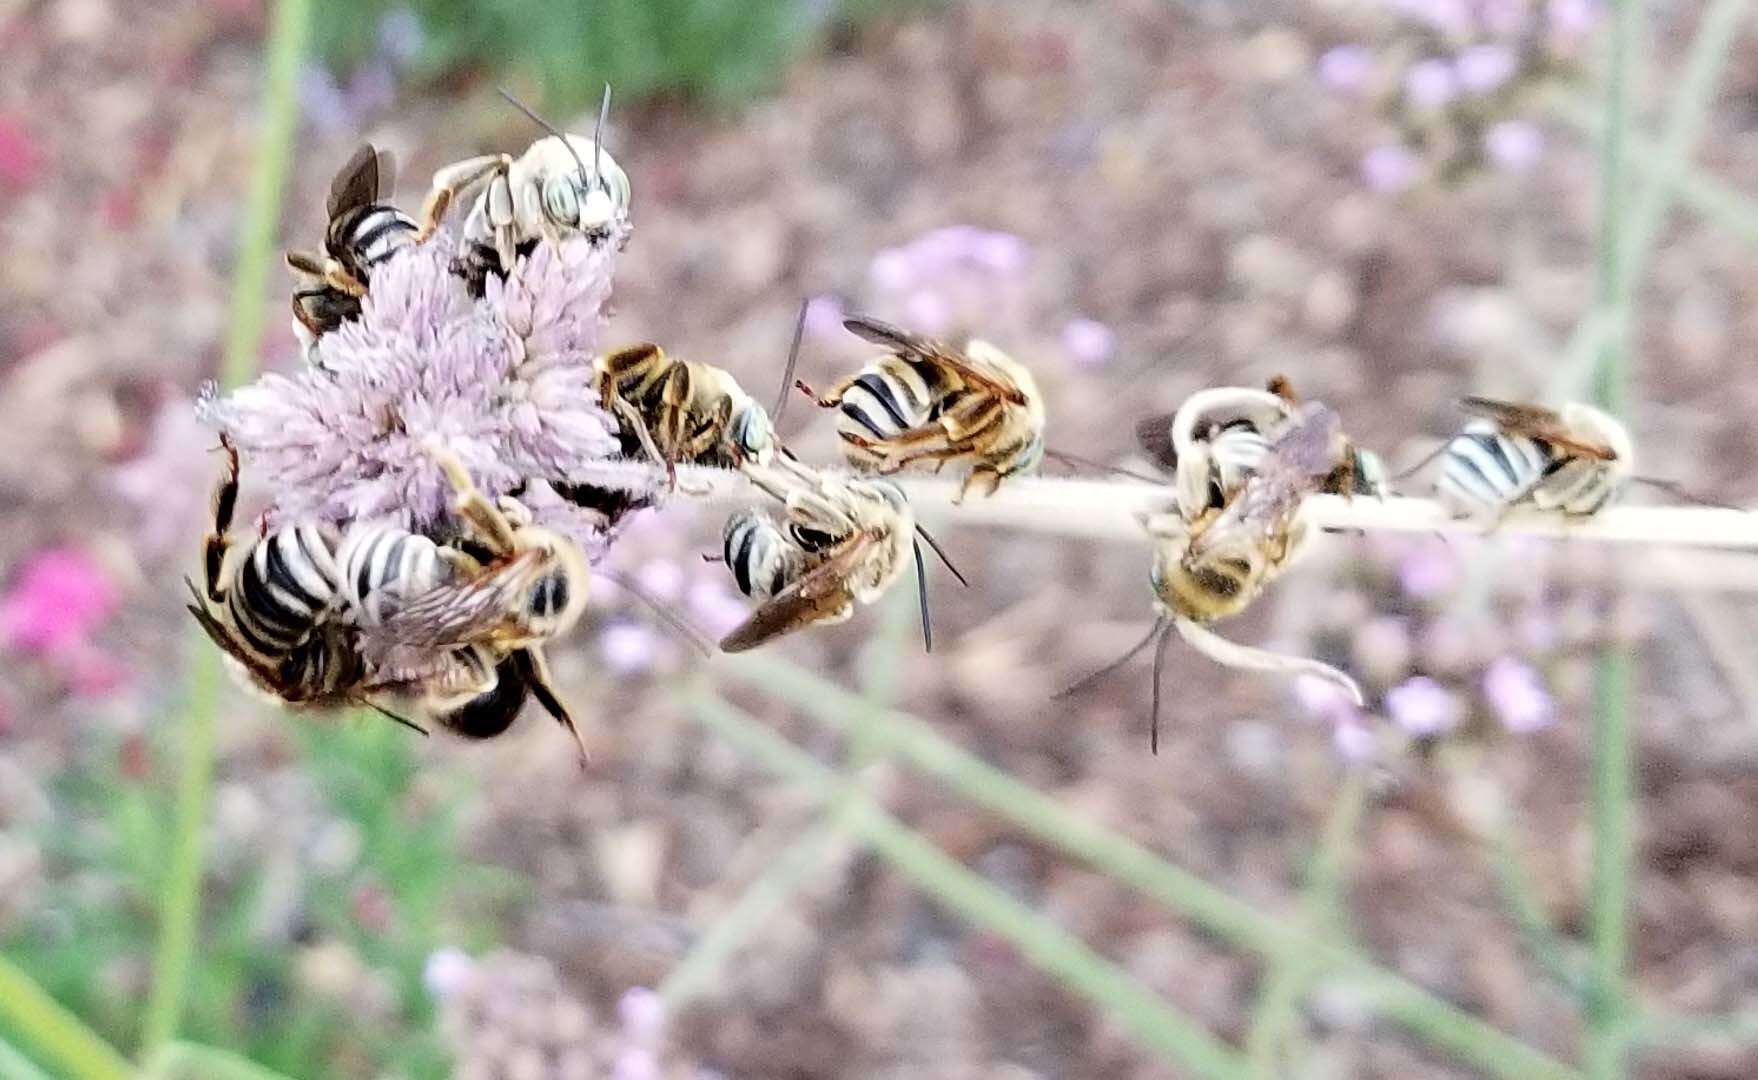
<point x="1573" y="460"/>
<point x="506" y="588"/>
<point x="1213" y="565"/>
<point x="1219" y="436"/>
<point x="270" y="604"/>
<point x="547" y="192"/>
<point x="842" y="542"/>
<point x="927" y="402"/>
<point x="362" y="233"/>
<point x="682" y="411"/>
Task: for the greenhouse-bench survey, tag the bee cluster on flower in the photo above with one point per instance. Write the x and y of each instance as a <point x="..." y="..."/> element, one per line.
<point x="449" y="467"/>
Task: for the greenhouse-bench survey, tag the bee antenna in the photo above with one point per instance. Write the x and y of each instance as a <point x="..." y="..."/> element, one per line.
<point x="410" y="724"/>
<point x="1423" y="461"/>
<point x="1165" y="634"/>
<point x="1156" y="631"/>
<point x="664" y="611"/>
<point x="598" y="137"/>
<point x="547" y="126"/>
<point x="793" y="358"/>
<point x="940" y="552"/>
<point x="922" y="600"/>
<point x="1679" y="491"/>
<point x="1088" y="463"/>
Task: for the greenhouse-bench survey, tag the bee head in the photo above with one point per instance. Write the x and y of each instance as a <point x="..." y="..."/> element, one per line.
<point x="753" y="434"/>
<point x="555" y="595"/>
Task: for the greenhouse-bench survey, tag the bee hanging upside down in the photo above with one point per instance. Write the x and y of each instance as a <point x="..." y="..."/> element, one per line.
<point x="361" y="234"/>
<point x="547" y="192"/>
<point x="925" y="402"/>
<point x="682" y="411"/>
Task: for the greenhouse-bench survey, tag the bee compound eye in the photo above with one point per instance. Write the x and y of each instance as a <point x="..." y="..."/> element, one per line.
<point x="560" y="201"/>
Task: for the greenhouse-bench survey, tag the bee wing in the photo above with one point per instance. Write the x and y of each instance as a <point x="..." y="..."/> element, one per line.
<point x="473" y="610"/>
<point x="1537" y="422"/>
<point x="883" y="333"/>
<point x="1154" y="435"/>
<point x="819" y="593"/>
<point x="359" y="182"/>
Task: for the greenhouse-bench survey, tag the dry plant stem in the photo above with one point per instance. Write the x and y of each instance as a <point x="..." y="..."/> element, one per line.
<point x="180" y="905"/>
<point x="1176" y="1038"/>
<point x="1105" y="510"/>
<point x="53" y="1034"/>
<point x="1225" y="918"/>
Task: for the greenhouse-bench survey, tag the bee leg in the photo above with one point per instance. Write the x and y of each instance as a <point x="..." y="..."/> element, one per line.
<point x="302" y="263"/>
<point x="342" y="279"/>
<point x="503" y="219"/>
<point x="543" y="689"/>
<point x="451" y="180"/>
<point x="225" y="505"/>
<point x="471" y="504"/>
<point x="632" y="420"/>
<point x="516" y="512"/>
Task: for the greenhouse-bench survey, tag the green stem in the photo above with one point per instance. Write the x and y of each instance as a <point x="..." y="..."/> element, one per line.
<point x="1209" y="908"/>
<point x="1548" y="948"/>
<point x="1166" y="1031"/>
<point x="57" y="1036"/>
<point x="193" y="1061"/>
<point x="180" y="904"/>
<point x="15" y="1066"/>
<point x="1612" y="783"/>
<point x="1665" y="1029"/>
<point x="1289" y="978"/>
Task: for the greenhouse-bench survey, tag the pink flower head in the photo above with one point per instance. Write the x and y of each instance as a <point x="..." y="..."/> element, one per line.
<point x="60" y="599"/>
<point x="717" y="607"/>
<point x="628" y="648"/>
<point x="1324" y="700"/>
<point x="1514" y="145"/>
<point x="1485" y="68"/>
<point x="1430" y="84"/>
<point x="1354" y="741"/>
<point x="642" y="1013"/>
<point x="21" y="157"/>
<point x="1517" y="695"/>
<point x="1346" y="68"/>
<point x="1424" y="707"/>
<point x="1390" y="168"/>
<point x="1428" y="570"/>
<point x="1088" y="342"/>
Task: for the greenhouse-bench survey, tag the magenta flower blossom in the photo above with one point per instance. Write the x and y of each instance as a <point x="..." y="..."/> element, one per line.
<point x="1346" y="68"/>
<point x="60" y="599"/>
<point x="1088" y="342"/>
<point x="1514" y="145"/>
<point x="21" y="158"/>
<point x="1424" y="707"/>
<point x="504" y="382"/>
<point x="1390" y="168"/>
<point x="1517" y="695"/>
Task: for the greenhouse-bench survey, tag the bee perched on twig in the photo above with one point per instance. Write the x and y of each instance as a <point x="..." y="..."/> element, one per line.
<point x="1571" y="460"/>
<point x="841" y="541"/>
<point x="547" y="192"/>
<point x="1219" y="436"/>
<point x="1214" y="564"/>
<point x="925" y="402"/>
<point x="362" y="233"/>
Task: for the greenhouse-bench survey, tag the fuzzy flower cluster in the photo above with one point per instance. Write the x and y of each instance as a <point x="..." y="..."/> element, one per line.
<point x="1443" y="650"/>
<point x="503" y="381"/>
<point x="1449" y="82"/>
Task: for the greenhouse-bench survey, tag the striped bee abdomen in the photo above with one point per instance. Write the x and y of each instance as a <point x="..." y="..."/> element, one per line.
<point x="762" y="558"/>
<point x="385" y="566"/>
<point x="283" y="588"/>
<point x="1484" y="471"/>
<point x="377" y="233"/>
<point x="890" y="396"/>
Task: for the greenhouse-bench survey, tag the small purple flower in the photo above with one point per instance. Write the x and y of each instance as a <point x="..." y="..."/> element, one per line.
<point x="323" y="102"/>
<point x="1429" y="570"/>
<point x="1514" y="145"/>
<point x="717" y="607"/>
<point x="447" y="971"/>
<point x="400" y="36"/>
<point x="1570" y="23"/>
<point x="927" y="312"/>
<point x="1430" y="84"/>
<point x="1346" y="68"/>
<point x="1001" y="253"/>
<point x="1390" y="168"/>
<point x="1354" y="741"/>
<point x="635" y="1063"/>
<point x="661" y="579"/>
<point x="1518" y="696"/>
<point x="1324" y="700"/>
<point x="1382" y="649"/>
<point x="1485" y="68"/>
<point x="1088" y="342"/>
<point x="824" y="315"/>
<point x="891" y="270"/>
<point x="642" y="1013"/>
<point x="628" y="648"/>
<point x="1424" y="707"/>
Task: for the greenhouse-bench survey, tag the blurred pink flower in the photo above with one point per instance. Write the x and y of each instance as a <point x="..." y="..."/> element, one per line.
<point x="1429" y="569"/>
<point x="1001" y="253"/>
<point x="717" y="607"/>
<point x="1390" y="168"/>
<point x="59" y="600"/>
<point x="1424" y="707"/>
<point x="168" y="482"/>
<point x="642" y="1013"/>
<point x="21" y="158"/>
<point x="447" y="971"/>
<point x="1514" y="145"/>
<point x="661" y="579"/>
<point x="635" y="1063"/>
<point x="1354" y="741"/>
<point x="1484" y="68"/>
<point x="628" y="648"/>
<point x="1346" y="68"/>
<point x="1570" y="23"/>
<point x="1324" y="700"/>
<point x="1088" y="342"/>
<point x="891" y="270"/>
<point x="927" y="313"/>
<point x="1429" y="84"/>
<point x="1517" y="695"/>
<point x="824" y="315"/>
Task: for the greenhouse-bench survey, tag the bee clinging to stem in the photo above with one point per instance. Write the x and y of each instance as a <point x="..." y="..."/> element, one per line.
<point x="926" y="403"/>
<point x="547" y="192"/>
<point x="362" y="232"/>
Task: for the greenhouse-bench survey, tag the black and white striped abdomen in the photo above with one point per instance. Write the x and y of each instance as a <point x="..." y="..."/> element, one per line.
<point x="282" y="588"/>
<point x="1484" y="471"/>
<point x="384" y="566"/>
<point x="889" y="396"/>
<point x="762" y="558"/>
<point x="380" y="232"/>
